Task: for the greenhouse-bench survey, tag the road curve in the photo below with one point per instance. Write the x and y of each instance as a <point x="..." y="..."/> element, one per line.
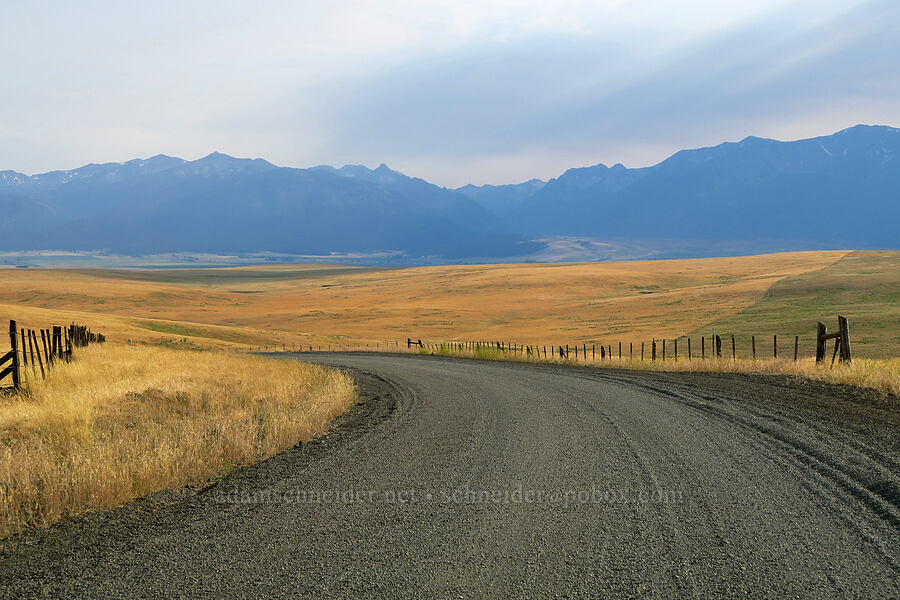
<point x="458" y="478"/>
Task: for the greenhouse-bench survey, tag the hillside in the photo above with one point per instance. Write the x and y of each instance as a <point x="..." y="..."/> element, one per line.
<point x="632" y="301"/>
<point x="224" y="204"/>
<point x="842" y="189"/>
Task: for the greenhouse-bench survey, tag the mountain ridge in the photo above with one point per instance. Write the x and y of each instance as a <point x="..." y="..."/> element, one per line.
<point x="757" y="188"/>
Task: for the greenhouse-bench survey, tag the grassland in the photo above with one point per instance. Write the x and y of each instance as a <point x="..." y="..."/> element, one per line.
<point x="345" y="306"/>
<point x="122" y="421"/>
<point x="115" y="424"/>
<point x="863" y="286"/>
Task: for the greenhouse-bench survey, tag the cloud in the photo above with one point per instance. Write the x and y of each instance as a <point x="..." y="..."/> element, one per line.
<point x="486" y="90"/>
<point x="589" y="96"/>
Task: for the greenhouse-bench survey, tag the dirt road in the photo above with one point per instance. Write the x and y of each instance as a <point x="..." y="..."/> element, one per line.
<point x="458" y="478"/>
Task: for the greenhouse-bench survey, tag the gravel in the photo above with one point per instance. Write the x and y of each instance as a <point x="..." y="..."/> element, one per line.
<point x="459" y="478"/>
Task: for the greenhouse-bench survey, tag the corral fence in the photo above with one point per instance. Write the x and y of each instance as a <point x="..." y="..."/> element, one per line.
<point x="40" y="349"/>
<point x="660" y="348"/>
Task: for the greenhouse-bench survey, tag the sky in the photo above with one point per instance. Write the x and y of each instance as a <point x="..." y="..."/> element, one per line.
<point x="453" y="91"/>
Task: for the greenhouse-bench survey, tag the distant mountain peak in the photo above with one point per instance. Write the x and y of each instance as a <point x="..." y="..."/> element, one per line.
<point x="216" y="156"/>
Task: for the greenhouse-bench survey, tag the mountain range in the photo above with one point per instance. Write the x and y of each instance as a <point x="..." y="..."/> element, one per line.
<point x="841" y="190"/>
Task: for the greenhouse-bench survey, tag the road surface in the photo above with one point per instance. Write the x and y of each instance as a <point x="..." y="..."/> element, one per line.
<point x="456" y="478"/>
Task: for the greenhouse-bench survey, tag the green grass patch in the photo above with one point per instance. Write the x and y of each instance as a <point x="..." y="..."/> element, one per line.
<point x="863" y="286"/>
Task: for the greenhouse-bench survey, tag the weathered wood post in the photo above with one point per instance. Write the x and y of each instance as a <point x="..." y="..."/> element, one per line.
<point x="44" y="343"/>
<point x="718" y="346"/>
<point x="702" y="346"/>
<point x="40" y="361"/>
<point x="689" y="348"/>
<point x="24" y="350"/>
<point x="653" y="350"/>
<point x="13" y="369"/>
<point x="775" y="346"/>
<point x="844" y="330"/>
<point x="796" y="346"/>
<point x="753" y="343"/>
<point x="642" y="351"/>
<point x="664" y="349"/>
<point x="733" y="350"/>
<point x="676" y="349"/>
<point x="68" y="342"/>
<point x="31" y="346"/>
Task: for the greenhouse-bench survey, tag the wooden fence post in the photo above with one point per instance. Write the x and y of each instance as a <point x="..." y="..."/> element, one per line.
<point x="676" y="349"/>
<point x="753" y="343"/>
<point x="24" y="348"/>
<point x="844" y="329"/>
<point x="642" y="351"/>
<point x="653" y="350"/>
<point x="13" y="369"/>
<point x="775" y="346"/>
<point x="31" y="346"/>
<point x="702" y="346"/>
<point x="664" y="349"/>
<point x="44" y="343"/>
<point x="821" y="342"/>
<point x="718" y="342"/>
<point x="733" y="350"/>
<point x="689" y="348"/>
<point x="796" y="346"/>
<point x="40" y="361"/>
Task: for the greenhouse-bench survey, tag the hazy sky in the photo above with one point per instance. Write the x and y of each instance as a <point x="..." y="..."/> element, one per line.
<point x="455" y="91"/>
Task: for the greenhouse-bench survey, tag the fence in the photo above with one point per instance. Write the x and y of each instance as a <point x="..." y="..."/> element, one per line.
<point x="657" y="348"/>
<point x="26" y="350"/>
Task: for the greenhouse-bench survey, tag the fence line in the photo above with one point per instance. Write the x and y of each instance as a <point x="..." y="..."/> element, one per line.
<point x="657" y="346"/>
<point x="56" y="344"/>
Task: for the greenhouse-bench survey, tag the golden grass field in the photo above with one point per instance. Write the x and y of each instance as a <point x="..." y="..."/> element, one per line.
<point x="122" y="421"/>
<point x="250" y="307"/>
<point x="115" y="424"/>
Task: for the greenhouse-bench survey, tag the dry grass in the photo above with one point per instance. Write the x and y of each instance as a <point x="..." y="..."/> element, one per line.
<point x="879" y="374"/>
<point x="297" y="304"/>
<point x="122" y="421"/>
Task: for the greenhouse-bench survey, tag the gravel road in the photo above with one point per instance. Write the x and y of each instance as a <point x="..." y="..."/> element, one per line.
<point x="456" y="478"/>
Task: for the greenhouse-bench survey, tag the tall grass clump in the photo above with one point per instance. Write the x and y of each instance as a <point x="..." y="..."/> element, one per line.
<point x="122" y="421"/>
